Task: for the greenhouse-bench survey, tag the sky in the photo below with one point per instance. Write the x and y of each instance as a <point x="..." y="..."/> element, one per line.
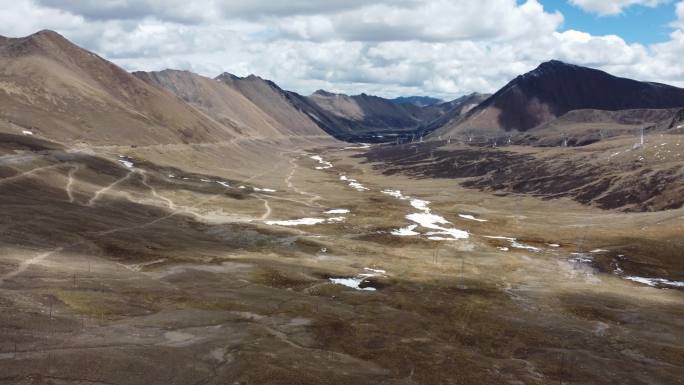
<point x="442" y="48"/>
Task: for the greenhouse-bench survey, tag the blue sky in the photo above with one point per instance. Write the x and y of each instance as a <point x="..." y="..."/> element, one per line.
<point x="636" y="24"/>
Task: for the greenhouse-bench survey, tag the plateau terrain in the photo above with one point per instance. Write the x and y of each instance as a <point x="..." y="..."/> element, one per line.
<point x="172" y="228"/>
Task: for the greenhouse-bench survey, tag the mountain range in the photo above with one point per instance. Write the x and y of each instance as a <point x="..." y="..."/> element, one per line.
<point x="167" y="227"/>
<point x="555" y="88"/>
<point x="75" y="95"/>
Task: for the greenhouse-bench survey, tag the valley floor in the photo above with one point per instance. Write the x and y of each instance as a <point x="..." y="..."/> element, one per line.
<point x="303" y="263"/>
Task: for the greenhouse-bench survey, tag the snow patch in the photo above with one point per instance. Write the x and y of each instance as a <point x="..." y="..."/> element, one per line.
<point x="306" y="221"/>
<point x="421" y="205"/>
<point x="126" y="163"/>
<point x="362" y="146"/>
<point x="405" y="231"/>
<point x="337" y="211"/>
<point x="432" y="221"/>
<point x="356" y="185"/>
<point x="395" y="193"/>
<point x="653" y="282"/>
<point x="426" y="219"/>
<point x="354" y="283"/>
<point x="264" y="189"/>
<point x="514" y="243"/>
<point x="224" y="184"/>
<point x="353" y="183"/>
<point x="472" y="218"/>
<point x="297" y="222"/>
<point x="324" y="164"/>
<point x="581" y="258"/>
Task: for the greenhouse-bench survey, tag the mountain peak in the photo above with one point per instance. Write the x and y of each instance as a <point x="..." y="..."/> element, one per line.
<point x="323" y="93"/>
<point x="45" y="42"/>
<point x="47" y="33"/>
<point x="555" y="87"/>
<point x="551" y="67"/>
<point x="227" y="76"/>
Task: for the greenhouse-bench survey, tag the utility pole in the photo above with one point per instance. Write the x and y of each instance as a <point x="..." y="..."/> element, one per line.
<point x="461" y="274"/>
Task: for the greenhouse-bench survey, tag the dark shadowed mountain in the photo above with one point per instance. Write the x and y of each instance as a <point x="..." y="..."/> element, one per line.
<point x="366" y="114"/>
<point x="372" y="118"/>
<point x="455" y="110"/>
<point x="555" y="88"/>
<point x="419" y="101"/>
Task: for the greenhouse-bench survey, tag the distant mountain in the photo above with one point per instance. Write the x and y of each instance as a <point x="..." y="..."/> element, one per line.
<point x="364" y="114"/>
<point x="56" y="89"/>
<point x="256" y="107"/>
<point x="60" y="91"/>
<point x="284" y="106"/>
<point x="555" y="88"/>
<point x="419" y="101"/>
<point x="455" y="109"/>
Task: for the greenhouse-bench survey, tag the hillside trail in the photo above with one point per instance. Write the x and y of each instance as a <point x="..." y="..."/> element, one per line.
<point x="175" y="209"/>
<point x="27" y="173"/>
<point x="267" y="209"/>
<point x="105" y="189"/>
<point x="288" y="181"/>
<point x="70" y="182"/>
<point x="31" y="261"/>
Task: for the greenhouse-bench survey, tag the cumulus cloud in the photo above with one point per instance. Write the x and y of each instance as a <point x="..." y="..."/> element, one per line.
<point x="436" y="20"/>
<point x="613" y="7"/>
<point x="443" y="48"/>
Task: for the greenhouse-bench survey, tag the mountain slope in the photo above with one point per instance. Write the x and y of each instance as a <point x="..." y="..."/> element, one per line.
<point x="553" y="89"/>
<point x="54" y="88"/>
<point x="226" y="104"/>
<point x="275" y="102"/>
<point x="454" y="110"/>
<point x="366" y="113"/>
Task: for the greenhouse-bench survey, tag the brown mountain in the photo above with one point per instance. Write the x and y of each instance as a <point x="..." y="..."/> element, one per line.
<point x="277" y="103"/>
<point x="454" y="110"/>
<point x="52" y="87"/>
<point x="365" y="113"/>
<point x="555" y="88"/>
<point x="372" y="118"/>
<point x="265" y="115"/>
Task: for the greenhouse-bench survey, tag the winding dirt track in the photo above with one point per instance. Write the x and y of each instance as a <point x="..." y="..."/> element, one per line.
<point x="288" y="181"/>
<point x="70" y="183"/>
<point x="27" y="173"/>
<point x="175" y="209"/>
<point x="105" y="189"/>
<point x="32" y="261"/>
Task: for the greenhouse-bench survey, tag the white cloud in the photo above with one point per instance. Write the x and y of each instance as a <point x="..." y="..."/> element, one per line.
<point x="613" y="7"/>
<point x="438" y="47"/>
<point x="679" y="11"/>
<point x="436" y="20"/>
